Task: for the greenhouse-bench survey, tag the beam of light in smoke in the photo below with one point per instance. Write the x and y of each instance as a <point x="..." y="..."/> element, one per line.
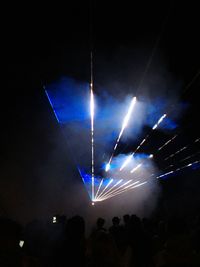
<point x="126" y="162"/>
<point x="169" y="141"/>
<point x="124" y="125"/>
<point x="143" y="141"/>
<point x="119" y="191"/>
<point x="191" y="156"/>
<point x="180" y="150"/>
<point x="92" y="123"/>
<point x="106" y="192"/>
<point x="92" y="134"/>
<point x="159" y="121"/>
<point x="125" y="190"/>
<point x="170" y="166"/>
<point x="178" y="169"/>
<point x="105" y="188"/>
<point x="136" y="168"/>
<point x="132" y="186"/>
<point x="98" y="189"/>
<point x="177" y="152"/>
<point x="162" y="175"/>
<point x="114" y="190"/>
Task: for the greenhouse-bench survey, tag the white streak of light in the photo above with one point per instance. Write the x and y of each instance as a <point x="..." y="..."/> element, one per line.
<point x="116" y="189"/>
<point x="117" y="193"/>
<point x="98" y="189"/>
<point x="159" y="121"/>
<point x="126" y="162"/>
<point x="139" y="184"/>
<point x="190" y="156"/>
<point x="177" y="152"/>
<point x="105" y="188"/>
<point x="105" y="193"/>
<point x="124" y="125"/>
<point x="92" y="134"/>
<point x="169" y="141"/>
<point x="162" y="175"/>
<point x="136" y="168"/>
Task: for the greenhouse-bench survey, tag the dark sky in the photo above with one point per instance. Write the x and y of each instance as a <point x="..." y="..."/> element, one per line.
<point x="41" y="44"/>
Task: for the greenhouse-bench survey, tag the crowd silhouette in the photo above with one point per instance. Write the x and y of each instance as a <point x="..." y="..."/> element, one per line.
<point x="129" y="242"/>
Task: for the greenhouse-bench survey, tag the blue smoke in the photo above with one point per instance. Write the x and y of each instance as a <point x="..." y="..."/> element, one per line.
<point x="68" y="99"/>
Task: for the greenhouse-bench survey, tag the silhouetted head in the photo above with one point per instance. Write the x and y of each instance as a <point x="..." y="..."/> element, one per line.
<point x="100" y="222"/>
<point x="116" y="220"/>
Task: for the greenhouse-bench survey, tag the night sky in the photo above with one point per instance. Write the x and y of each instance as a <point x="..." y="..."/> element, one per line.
<point x="41" y="44"/>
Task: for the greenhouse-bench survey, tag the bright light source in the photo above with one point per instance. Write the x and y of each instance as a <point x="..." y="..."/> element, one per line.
<point x="21" y="243"/>
<point x="150" y="156"/>
<point x="107" y="167"/>
<point x="92" y="203"/>
<point x="54" y="219"/>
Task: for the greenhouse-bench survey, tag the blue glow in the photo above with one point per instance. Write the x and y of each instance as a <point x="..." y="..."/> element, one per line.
<point x="168" y="124"/>
<point x="68" y="99"/>
<point x="196" y="165"/>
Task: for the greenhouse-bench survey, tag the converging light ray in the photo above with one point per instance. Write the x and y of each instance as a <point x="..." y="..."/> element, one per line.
<point x="105" y="188"/>
<point x="114" y="190"/>
<point x="143" y="141"/>
<point x="119" y="191"/>
<point x="125" y="190"/>
<point x="105" y="193"/>
<point x="98" y="189"/>
<point x="124" y="125"/>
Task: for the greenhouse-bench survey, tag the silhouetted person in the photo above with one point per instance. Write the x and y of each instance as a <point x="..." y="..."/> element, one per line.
<point x="117" y="233"/>
<point x="102" y="249"/>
